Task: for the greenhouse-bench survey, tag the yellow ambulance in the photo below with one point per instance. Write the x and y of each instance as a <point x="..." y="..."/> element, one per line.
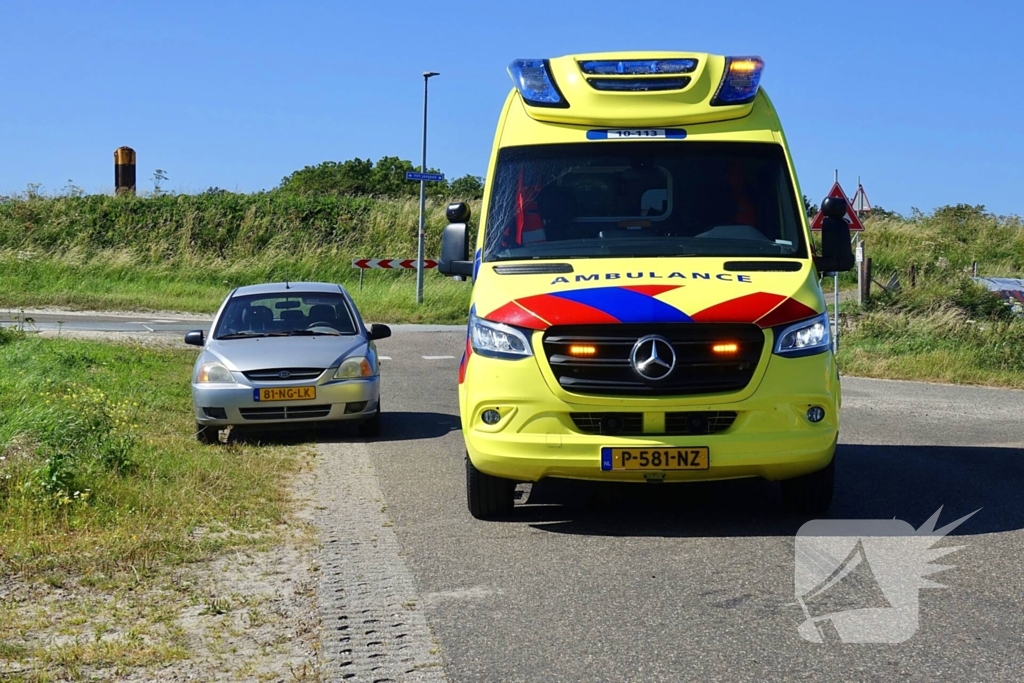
<point x="646" y="303"/>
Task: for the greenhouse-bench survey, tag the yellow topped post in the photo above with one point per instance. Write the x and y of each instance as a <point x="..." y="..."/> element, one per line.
<point x="124" y="170"/>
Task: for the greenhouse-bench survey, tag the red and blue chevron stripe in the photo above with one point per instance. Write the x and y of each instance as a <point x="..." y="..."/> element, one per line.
<point x="639" y="304"/>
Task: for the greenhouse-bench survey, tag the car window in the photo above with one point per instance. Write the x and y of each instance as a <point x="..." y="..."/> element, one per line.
<point x="290" y="312"/>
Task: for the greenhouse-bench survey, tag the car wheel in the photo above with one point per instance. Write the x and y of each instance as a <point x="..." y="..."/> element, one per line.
<point x="488" y="497"/>
<point x="371" y="427"/>
<point x="207" y="434"/>
<point x="810" y="494"/>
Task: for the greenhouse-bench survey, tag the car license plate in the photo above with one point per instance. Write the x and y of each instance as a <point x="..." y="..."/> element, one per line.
<point x="659" y="458"/>
<point x="284" y="394"/>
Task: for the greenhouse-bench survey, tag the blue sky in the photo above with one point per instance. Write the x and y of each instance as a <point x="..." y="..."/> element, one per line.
<point x="921" y="99"/>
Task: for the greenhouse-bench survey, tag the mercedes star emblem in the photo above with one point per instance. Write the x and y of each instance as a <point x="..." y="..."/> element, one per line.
<point x="653" y="357"/>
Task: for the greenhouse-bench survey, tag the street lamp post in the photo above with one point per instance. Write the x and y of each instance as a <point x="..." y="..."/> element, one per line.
<point x="423" y="194"/>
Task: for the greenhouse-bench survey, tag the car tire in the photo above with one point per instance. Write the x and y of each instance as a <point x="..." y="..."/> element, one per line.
<point x="488" y="497"/>
<point x="810" y="494"/>
<point x="207" y="434"/>
<point x="371" y="427"/>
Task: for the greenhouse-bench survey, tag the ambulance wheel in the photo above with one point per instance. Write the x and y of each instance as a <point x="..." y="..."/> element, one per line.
<point x="488" y="497"/>
<point x="810" y="494"/>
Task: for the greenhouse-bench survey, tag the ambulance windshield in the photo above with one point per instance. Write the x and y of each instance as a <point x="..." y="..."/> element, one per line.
<point x="641" y="199"/>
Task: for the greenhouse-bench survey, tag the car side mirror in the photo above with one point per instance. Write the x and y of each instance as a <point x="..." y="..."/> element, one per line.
<point x="378" y="331"/>
<point x="836" y="250"/>
<point x="454" y="242"/>
<point x="195" y="338"/>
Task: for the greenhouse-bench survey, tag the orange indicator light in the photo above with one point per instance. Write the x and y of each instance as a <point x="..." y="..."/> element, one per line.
<point x="725" y="348"/>
<point x="743" y="65"/>
<point x="581" y="350"/>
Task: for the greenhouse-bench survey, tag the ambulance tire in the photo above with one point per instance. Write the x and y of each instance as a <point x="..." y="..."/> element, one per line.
<point x="810" y="494"/>
<point x="488" y="497"/>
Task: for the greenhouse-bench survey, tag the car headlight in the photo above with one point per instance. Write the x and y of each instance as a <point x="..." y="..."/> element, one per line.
<point x="497" y="340"/>
<point x="805" y="338"/>
<point x="214" y="373"/>
<point x="356" y="366"/>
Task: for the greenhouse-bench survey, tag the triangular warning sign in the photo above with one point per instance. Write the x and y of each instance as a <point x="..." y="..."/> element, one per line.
<point x="851" y="217"/>
<point x="860" y="200"/>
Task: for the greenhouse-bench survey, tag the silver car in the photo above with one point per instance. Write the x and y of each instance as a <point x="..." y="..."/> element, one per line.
<point x="286" y="353"/>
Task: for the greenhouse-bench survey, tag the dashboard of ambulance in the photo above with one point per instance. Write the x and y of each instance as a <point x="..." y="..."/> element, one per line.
<point x="642" y="199"/>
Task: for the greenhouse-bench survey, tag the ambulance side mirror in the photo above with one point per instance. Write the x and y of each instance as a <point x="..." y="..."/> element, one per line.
<point x="836" y="250"/>
<point x="454" y="242"/>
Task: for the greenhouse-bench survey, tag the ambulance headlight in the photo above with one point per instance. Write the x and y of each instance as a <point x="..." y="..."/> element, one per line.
<point x="496" y="340"/>
<point x="533" y="80"/>
<point x="804" y="338"/>
<point x="739" y="82"/>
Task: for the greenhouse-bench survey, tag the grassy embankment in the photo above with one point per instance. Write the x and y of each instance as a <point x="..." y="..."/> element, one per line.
<point x="185" y="252"/>
<point x="103" y="492"/>
<point x="945" y="328"/>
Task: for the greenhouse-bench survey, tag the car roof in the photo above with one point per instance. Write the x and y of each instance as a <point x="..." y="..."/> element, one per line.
<point x="288" y="287"/>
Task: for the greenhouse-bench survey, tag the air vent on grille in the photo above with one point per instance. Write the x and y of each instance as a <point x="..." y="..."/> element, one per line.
<point x="639" y="84"/>
<point x="285" y="412"/>
<point x="676" y="424"/>
<point x="698" y="369"/>
<point x="284" y="374"/>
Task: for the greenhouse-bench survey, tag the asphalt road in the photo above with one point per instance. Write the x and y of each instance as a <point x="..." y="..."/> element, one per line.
<point x="696" y="582"/>
<point x="690" y="582"/>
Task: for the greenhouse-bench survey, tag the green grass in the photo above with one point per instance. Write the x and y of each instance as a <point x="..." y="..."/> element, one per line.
<point x="185" y="253"/>
<point x="105" y="494"/>
<point x="121" y="280"/>
<point x="101" y="471"/>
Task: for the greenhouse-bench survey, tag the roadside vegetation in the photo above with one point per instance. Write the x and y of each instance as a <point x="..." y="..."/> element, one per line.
<point x="185" y="252"/>
<point x="104" y="495"/>
<point x="944" y="327"/>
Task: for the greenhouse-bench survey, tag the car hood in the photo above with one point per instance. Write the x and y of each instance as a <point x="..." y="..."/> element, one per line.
<point x="261" y="353"/>
<point x="539" y="294"/>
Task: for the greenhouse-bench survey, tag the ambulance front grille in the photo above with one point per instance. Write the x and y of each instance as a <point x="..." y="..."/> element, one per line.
<point x="698" y="370"/>
<point x="676" y="423"/>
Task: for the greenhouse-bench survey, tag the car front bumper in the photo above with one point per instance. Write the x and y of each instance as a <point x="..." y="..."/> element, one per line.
<point x="335" y="400"/>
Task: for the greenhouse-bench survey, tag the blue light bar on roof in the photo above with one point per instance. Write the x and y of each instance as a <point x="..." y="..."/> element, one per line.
<point x="533" y="80"/>
<point x="739" y="82"/>
<point x="638" y="67"/>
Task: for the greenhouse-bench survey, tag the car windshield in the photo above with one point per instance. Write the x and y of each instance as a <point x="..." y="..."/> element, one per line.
<point x="637" y="199"/>
<point x="291" y="313"/>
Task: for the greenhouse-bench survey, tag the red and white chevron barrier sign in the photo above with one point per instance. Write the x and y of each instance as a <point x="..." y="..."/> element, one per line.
<point x="391" y="263"/>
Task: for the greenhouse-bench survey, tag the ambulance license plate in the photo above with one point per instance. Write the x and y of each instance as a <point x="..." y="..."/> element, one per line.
<point x="659" y="458"/>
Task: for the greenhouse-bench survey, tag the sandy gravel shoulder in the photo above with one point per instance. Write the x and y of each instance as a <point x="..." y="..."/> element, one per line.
<point x="246" y="615"/>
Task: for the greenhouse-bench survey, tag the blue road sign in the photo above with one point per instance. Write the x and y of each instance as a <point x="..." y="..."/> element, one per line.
<point x="429" y="177"/>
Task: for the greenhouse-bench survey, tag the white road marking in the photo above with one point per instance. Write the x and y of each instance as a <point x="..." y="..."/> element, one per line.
<point x="438" y="357"/>
<point x="385" y="357"/>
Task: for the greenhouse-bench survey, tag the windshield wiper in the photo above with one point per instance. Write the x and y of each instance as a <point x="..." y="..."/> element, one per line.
<point x="310" y="333"/>
<point x="241" y="335"/>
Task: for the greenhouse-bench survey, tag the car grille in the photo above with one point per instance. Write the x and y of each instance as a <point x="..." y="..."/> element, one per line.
<point x="698" y="369"/>
<point x="676" y="424"/>
<point x="274" y="374"/>
<point x="285" y="412"/>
